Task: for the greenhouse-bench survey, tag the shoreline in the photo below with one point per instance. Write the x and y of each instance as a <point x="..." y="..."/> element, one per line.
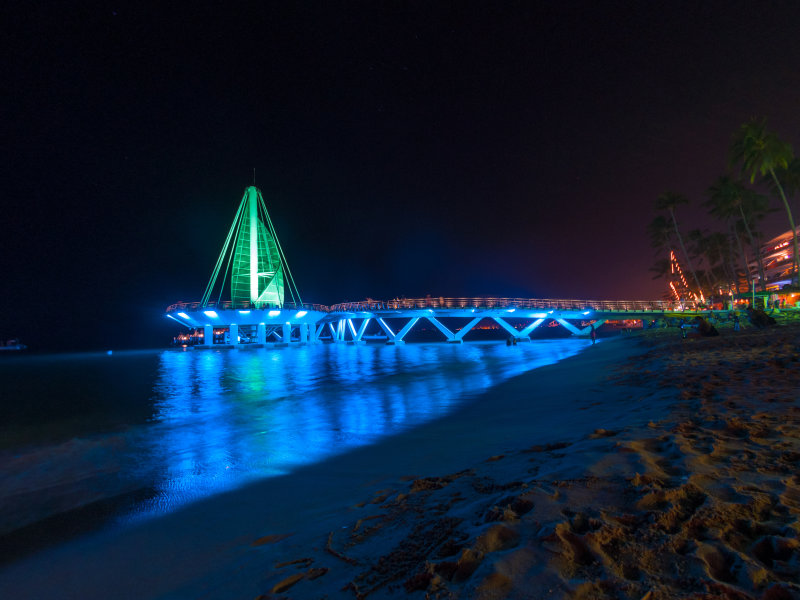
<point x="509" y="518"/>
<point x="418" y="451"/>
<point x="32" y="468"/>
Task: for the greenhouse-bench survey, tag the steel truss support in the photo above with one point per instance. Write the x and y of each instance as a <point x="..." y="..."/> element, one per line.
<point x="398" y="339"/>
<point x="337" y="332"/>
<point x="569" y="326"/>
<point x="516" y="334"/>
<point x="588" y="329"/>
<point x="459" y="337"/>
<point x="579" y="332"/>
<point x="529" y="329"/>
<point x="390" y="335"/>
<point x="357" y="335"/>
<point x="363" y="328"/>
<point x="447" y="333"/>
<point x="357" y="330"/>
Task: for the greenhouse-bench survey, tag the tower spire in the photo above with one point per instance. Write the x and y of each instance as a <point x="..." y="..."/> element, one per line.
<point x="255" y="265"/>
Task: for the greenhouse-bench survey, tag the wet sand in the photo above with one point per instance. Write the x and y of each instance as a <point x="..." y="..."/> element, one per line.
<point x="646" y="468"/>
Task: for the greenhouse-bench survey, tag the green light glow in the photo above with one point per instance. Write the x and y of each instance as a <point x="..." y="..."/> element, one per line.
<point x="257" y="271"/>
<point x="255" y="260"/>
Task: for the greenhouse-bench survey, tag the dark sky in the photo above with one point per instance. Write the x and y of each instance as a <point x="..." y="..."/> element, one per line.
<point x="403" y="148"/>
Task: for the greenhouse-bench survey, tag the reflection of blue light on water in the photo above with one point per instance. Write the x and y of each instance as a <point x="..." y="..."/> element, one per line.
<point x="223" y="418"/>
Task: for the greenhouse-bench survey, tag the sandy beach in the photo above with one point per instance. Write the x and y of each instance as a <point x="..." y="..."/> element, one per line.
<point x="648" y="467"/>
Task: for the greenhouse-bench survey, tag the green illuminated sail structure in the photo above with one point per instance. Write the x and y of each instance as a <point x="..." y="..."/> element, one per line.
<point x="253" y="257"/>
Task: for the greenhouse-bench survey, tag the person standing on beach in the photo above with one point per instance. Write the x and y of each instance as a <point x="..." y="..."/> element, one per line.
<point x="593" y="334"/>
<point x="736" y="322"/>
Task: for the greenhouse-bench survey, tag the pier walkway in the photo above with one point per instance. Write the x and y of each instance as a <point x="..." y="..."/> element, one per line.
<point x="456" y="317"/>
<point x="229" y="324"/>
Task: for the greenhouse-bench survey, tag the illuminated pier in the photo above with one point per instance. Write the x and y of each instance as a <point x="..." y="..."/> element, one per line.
<point x="392" y="321"/>
<point x="257" y="280"/>
<point x="519" y="317"/>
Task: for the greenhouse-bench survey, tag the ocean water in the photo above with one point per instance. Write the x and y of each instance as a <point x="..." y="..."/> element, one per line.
<point x="96" y="440"/>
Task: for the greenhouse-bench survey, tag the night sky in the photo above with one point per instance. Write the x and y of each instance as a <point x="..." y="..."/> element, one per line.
<point x="403" y="148"/>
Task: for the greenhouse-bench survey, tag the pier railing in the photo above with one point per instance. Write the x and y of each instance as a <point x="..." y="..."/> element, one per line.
<point x="227" y="304"/>
<point x="455" y="303"/>
<point x="522" y="303"/>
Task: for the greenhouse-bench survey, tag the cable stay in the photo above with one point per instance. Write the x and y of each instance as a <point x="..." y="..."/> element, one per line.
<point x="257" y="274"/>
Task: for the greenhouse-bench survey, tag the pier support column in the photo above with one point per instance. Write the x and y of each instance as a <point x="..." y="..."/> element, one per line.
<point x="569" y="326"/>
<point x="286" y="335"/>
<point x="208" y="335"/>
<point x="527" y="331"/>
<point x="303" y="333"/>
<point x="406" y="328"/>
<point x="588" y="329"/>
<point x="459" y="336"/>
<point x="357" y="334"/>
<point x="449" y="336"/>
<point x="390" y="336"/>
<point x="233" y="334"/>
<point x="334" y="333"/>
<point x="261" y="333"/>
<point x="340" y="330"/>
<point x="517" y="335"/>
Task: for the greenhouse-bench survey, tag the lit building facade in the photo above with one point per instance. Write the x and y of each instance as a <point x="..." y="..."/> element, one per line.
<point x="776" y="255"/>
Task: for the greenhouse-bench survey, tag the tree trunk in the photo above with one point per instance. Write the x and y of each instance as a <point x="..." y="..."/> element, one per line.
<point x="746" y="268"/>
<point x="709" y="281"/>
<point x="791" y="224"/>
<point x="744" y="258"/>
<point x="685" y="254"/>
<point x="756" y="250"/>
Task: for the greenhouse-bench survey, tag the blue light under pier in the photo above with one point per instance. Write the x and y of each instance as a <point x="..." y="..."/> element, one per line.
<point x="356" y="322"/>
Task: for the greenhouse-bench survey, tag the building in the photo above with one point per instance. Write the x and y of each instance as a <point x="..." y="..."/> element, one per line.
<point x="776" y="255"/>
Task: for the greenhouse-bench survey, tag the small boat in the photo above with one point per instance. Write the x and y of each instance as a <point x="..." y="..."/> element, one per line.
<point x="12" y="346"/>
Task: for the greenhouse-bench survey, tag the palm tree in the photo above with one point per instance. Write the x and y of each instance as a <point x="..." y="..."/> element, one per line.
<point x="739" y="231"/>
<point x="662" y="236"/>
<point x="755" y="207"/>
<point x="669" y="201"/>
<point x="723" y="202"/>
<point x="661" y="268"/>
<point x="695" y="241"/>
<point x="715" y="252"/>
<point x="660" y="232"/>
<point x="759" y="150"/>
<point x="720" y="252"/>
<point x="730" y="199"/>
<point x="704" y="259"/>
<point x="735" y="234"/>
<point x="789" y="179"/>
